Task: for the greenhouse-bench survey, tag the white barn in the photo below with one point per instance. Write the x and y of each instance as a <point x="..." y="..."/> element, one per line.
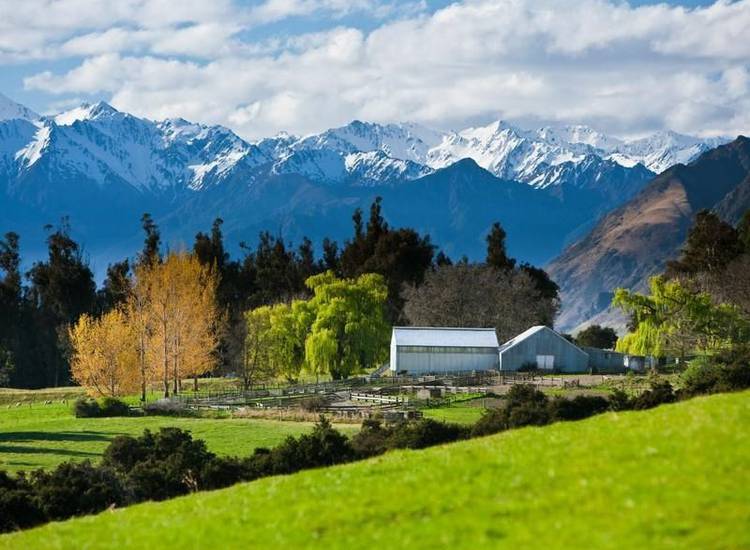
<point x="545" y="349"/>
<point x="434" y="350"/>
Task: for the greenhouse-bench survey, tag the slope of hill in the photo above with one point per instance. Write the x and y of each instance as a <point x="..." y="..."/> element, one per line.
<point x="671" y="477"/>
<point x="635" y="241"/>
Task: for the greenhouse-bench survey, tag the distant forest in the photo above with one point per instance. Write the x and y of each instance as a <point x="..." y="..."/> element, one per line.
<point x="38" y="307"/>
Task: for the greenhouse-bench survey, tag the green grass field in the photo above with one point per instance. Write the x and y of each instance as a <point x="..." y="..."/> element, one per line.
<point x="42" y="436"/>
<point x="672" y="477"/>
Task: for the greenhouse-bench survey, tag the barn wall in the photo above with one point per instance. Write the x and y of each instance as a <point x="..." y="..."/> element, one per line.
<point x="605" y="360"/>
<point x="568" y="357"/>
<point x="445" y="360"/>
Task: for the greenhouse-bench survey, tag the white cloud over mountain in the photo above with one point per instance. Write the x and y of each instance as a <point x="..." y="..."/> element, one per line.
<point x="625" y="69"/>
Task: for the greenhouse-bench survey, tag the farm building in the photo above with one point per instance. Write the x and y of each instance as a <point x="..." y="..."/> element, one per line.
<point x="433" y="350"/>
<point x="543" y="348"/>
<point x="602" y="360"/>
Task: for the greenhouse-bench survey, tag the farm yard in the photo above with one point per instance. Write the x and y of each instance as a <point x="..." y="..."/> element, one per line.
<point x="38" y="428"/>
<point x="620" y="480"/>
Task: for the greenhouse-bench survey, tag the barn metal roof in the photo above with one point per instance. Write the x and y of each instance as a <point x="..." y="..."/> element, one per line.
<point x="446" y="337"/>
<point x="530" y="332"/>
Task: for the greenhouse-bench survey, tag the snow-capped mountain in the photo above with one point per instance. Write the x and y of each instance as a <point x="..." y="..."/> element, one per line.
<point x="104" y="168"/>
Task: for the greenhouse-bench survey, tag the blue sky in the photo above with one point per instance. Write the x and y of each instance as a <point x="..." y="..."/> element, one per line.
<point x="260" y="67"/>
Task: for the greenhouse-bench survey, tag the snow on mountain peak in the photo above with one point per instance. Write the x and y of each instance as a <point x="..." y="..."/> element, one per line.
<point x="10" y="110"/>
<point x="86" y="111"/>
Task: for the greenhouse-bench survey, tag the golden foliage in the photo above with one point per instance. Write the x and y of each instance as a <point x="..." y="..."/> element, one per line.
<point x="105" y="358"/>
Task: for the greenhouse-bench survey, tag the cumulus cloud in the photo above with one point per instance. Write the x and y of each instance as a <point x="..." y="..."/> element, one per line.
<point x="624" y="69"/>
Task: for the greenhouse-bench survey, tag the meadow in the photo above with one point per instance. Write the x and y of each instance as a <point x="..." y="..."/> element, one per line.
<point x="675" y="476"/>
<point x="42" y="436"/>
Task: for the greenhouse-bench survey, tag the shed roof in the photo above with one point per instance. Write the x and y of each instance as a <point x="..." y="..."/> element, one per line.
<point x="532" y="331"/>
<point x="445" y="337"/>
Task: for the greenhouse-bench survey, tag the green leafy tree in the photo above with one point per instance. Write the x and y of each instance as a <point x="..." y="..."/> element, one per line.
<point x="675" y="320"/>
<point x="349" y="332"/>
<point x="597" y="336"/>
<point x="257" y="361"/>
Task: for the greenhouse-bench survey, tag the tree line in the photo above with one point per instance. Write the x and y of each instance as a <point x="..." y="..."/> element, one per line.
<point x="274" y="311"/>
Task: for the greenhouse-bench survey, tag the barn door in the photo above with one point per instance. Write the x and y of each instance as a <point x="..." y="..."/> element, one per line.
<point x="546" y="362"/>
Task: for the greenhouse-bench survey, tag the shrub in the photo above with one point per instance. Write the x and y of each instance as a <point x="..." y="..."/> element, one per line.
<point x="313" y="404"/>
<point x="581" y="406"/>
<point x="528" y="414"/>
<point x="167" y="407"/>
<point x="74" y="489"/>
<point x="371" y="440"/>
<point x="492" y="421"/>
<point x="107" y="406"/>
<point x="324" y="446"/>
<point x="425" y="432"/>
<point x="111" y="406"/>
<point x="525" y="393"/>
<point x="619" y="401"/>
<point x="18" y="507"/>
<point x="86" y="408"/>
<point x="660" y="393"/>
<point x="701" y="376"/>
<point x="222" y="472"/>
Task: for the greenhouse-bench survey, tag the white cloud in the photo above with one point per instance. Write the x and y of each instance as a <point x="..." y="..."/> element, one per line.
<point x="625" y="69"/>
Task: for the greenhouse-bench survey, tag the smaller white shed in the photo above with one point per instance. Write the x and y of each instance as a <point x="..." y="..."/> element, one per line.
<point x="434" y="350"/>
<point x="543" y="348"/>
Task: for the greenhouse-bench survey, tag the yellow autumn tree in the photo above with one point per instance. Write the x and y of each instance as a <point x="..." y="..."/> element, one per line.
<point x="139" y="315"/>
<point x="105" y="358"/>
<point x="182" y="318"/>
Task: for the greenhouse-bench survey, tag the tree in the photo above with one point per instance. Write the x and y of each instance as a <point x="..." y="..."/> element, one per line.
<point x="497" y="255"/>
<point x="105" y="359"/>
<point x="257" y="363"/>
<point x="116" y="286"/>
<point x="140" y="318"/>
<point x="6" y="366"/>
<point x="183" y="318"/>
<point x="288" y="333"/>
<point x="150" y="253"/>
<point x="711" y="244"/>
<point x="349" y="332"/>
<point x="675" y="320"/>
<point x="62" y="289"/>
<point x="596" y="336"/>
<point x="466" y="295"/>
<point x="401" y="256"/>
<point x="743" y="232"/>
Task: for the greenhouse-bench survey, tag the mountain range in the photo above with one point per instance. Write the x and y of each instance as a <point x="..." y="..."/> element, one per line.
<point x="103" y="168"/>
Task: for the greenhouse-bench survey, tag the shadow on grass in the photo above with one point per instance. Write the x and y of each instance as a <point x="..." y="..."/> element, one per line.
<point x="28" y="437"/>
<point x="24" y="449"/>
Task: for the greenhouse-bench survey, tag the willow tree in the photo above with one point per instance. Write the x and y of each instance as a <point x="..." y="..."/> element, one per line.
<point x="257" y="357"/>
<point x="105" y="356"/>
<point x="349" y="331"/>
<point x="675" y="320"/>
<point x="182" y="318"/>
<point x="289" y="330"/>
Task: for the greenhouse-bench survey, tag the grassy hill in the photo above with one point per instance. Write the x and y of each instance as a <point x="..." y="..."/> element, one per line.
<point x="676" y="476"/>
<point x="42" y="436"/>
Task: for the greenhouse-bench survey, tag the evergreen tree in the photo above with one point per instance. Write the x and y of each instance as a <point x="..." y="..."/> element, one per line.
<point x="150" y="253"/>
<point x="116" y="287"/>
<point x="497" y="255"/>
<point x="711" y="244"/>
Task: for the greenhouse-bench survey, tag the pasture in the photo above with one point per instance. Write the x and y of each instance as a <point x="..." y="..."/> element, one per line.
<point x="671" y="477"/>
<point x="42" y="436"/>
